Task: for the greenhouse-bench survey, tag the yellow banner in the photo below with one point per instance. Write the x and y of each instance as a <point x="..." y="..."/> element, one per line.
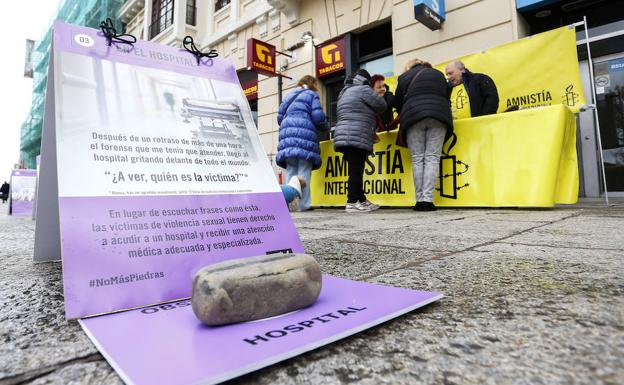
<point x="387" y="175"/>
<point x="540" y="70"/>
<point x="525" y="158"/>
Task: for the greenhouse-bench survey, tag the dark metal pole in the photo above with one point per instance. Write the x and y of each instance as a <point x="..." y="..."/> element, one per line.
<point x="279" y="89"/>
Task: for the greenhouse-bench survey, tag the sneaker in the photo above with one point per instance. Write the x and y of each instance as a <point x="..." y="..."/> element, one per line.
<point x="294" y="205"/>
<point x="357" y="207"/>
<point x="370" y="205"/>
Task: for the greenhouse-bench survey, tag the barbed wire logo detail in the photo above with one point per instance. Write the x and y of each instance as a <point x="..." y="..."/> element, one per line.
<point x="454" y="174"/>
<point x="570" y="98"/>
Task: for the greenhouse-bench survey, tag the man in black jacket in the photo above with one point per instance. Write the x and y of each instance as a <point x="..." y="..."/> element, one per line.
<point x="482" y="92"/>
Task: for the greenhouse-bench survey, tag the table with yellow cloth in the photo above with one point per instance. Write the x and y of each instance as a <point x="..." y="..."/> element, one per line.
<point x="524" y="158"/>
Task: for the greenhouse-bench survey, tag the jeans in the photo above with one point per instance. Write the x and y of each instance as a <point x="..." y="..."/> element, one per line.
<point x="425" y="140"/>
<point x="356" y="161"/>
<point x="294" y="167"/>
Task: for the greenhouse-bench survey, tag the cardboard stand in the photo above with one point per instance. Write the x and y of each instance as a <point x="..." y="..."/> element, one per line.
<point x="152" y="168"/>
<point x="22" y="192"/>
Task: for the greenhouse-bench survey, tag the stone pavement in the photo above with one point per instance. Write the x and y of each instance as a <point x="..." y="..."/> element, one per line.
<point x="531" y="297"/>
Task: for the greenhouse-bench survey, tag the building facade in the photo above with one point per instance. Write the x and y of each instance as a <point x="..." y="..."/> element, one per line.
<point x="381" y="36"/>
<point x="82" y="12"/>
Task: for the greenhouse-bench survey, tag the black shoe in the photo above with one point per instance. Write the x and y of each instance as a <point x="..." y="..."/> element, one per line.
<point x="429" y="206"/>
<point x="425" y="206"/>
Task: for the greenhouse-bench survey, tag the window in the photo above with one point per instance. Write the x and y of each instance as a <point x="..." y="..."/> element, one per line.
<point x="383" y="66"/>
<point x="162" y="16"/>
<point x="374" y="42"/>
<point x="219" y="4"/>
<point x="191" y="12"/>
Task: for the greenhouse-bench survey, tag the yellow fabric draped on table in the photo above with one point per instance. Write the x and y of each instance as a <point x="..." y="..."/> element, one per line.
<point x="524" y="158"/>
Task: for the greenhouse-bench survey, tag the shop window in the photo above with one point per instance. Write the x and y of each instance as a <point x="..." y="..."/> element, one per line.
<point x="382" y="66"/>
<point x="219" y="4"/>
<point x="191" y="12"/>
<point x="162" y="16"/>
<point x="373" y="50"/>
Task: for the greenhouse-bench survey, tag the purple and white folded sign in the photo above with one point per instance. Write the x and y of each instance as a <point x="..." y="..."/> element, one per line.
<point x="166" y="344"/>
<point x="152" y="168"/>
<point x="160" y="172"/>
<point x="23" y="183"/>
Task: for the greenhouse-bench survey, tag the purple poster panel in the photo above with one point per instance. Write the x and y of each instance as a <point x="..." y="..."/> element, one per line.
<point x="160" y="172"/>
<point x="166" y="344"/>
<point x="23" y="184"/>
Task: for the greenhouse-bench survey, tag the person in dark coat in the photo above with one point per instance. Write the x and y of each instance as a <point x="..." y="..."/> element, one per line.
<point x="358" y="104"/>
<point x="482" y="92"/>
<point x="300" y="116"/>
<point x="4" y="192"/>
<point x="385" y="118"/>
<point x="422" y="101"/>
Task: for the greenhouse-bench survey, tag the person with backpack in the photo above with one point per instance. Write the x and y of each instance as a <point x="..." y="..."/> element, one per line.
<point x="422" y="100"/>
<point x="300" y="116"/>
<point x="358" y="105"/>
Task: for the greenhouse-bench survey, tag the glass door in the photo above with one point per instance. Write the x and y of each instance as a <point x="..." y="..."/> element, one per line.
<point x="609" y="83"/>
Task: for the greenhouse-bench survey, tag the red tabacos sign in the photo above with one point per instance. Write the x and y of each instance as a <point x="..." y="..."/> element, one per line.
<point x="260" y="57"/>
<point x="330" y="57"/>
<point x="250" y="89"/>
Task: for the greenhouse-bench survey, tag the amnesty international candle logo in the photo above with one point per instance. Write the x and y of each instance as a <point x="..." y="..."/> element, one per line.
<point x="330" y="57"/>
<point x="460" y="103"/>
<point x="460" y="100"/>
<point x="261" y="57"/>
<point x="570" y="98"/>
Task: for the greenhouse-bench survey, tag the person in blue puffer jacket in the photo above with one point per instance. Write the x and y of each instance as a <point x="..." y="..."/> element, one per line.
<point x="300" y="116"/>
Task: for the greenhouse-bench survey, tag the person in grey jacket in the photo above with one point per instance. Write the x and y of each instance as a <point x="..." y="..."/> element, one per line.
<point x="358" y="104"/>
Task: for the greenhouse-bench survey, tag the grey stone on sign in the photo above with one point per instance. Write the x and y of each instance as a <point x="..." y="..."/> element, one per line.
<point x="253" y="288"/>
